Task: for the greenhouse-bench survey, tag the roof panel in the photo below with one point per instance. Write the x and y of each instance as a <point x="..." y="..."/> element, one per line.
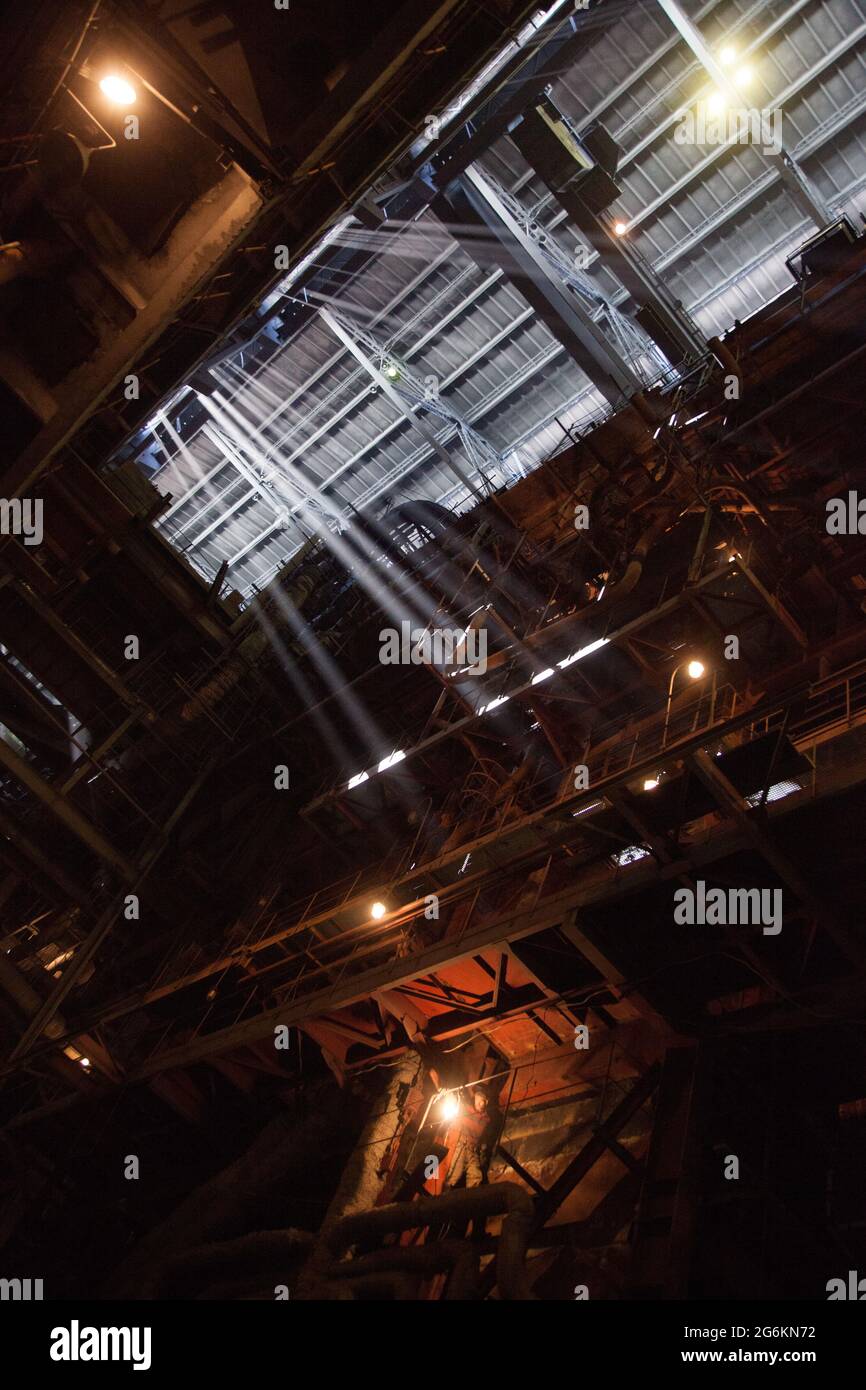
<point x="717" y="222"/>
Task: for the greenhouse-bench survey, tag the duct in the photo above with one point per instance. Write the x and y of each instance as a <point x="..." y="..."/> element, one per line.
<point x="464" y="554"/>
<point x="249" y="1257"/>
<point x="252" y="1190"/>
<point x="390" y="1284"/>
<point x="361" y="1182"/>
<point x="456" y="1256"/>
<point x="600" y="608"/>
<point x="459" y="1205"/>
<point x="431" y="517"/>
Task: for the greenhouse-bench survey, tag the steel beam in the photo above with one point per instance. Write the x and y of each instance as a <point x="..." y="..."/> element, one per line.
<point x="540" y="147"/>
<point x="605" y="1132"/>
<point x="137" y="875"/>
<point x="83" y="652"/>
<point x="554" y="910"/>
<point x="64" y="810"/>
<point x="801" y="189"/>
<point x="419" y="425"/>
<point x="474" y="207"/>
<point x="753" y="827"/>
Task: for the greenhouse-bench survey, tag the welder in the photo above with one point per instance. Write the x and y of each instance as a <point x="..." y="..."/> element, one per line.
<point x="472" y="1149"/>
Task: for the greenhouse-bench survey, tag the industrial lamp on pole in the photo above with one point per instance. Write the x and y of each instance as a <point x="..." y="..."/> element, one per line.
<point x="696" y="671"/>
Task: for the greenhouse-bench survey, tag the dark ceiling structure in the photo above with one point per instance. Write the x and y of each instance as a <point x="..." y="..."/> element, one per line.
<point x="433" y="649"/>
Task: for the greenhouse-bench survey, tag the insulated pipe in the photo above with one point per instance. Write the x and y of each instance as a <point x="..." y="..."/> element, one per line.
<point x="463" y="1204"/>
<point x="249" y="1255"/>
<point x="390" y="1286"/>
<point x="601" y="607"/>
<point x="360" y="1185"/>
<point x="434" y="1258"/>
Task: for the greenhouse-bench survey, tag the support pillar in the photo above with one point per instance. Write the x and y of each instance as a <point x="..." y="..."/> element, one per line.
<point x="473" y="207"/>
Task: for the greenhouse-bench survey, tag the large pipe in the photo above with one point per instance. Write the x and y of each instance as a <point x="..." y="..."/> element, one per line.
<point x="462" y="1205"/>
<point x="249" y="1256"/>
<point x="391" y="1285"/>
<point x="602" y="607"/>
<point x="360" y="1186"/>
<point x="458" y="1256"/>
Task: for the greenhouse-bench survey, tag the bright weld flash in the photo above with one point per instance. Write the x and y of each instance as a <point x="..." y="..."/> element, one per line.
<point x="449" y="1107"/>
<point x="117" y="89"/>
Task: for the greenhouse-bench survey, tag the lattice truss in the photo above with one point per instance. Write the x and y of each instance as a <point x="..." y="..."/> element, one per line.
<point x="421" y="394"/>
<point x="643" y="355"/>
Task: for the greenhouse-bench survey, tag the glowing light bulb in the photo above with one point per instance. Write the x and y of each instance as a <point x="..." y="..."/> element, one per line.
<point x="118" y="90"/>
<point x="450" y="1107"/>
<point x="696" y="669"/>
<point x="620" y="228"/>
<point x="85" y="1061"/>
<point x="650" y="784"/>
<point x="727" y="55"/>
<point x="378" y="911"/>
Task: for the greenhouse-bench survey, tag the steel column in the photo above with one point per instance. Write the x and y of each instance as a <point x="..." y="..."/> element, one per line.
<point x="476" y="202"/>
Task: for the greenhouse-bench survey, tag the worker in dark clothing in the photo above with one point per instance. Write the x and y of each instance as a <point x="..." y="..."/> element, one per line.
<point x="472" y="1150"/>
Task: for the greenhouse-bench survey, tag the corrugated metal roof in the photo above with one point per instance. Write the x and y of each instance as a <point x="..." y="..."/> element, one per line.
<point x="717" y="221"/>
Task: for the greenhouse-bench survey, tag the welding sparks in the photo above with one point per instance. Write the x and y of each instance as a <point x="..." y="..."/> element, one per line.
<point x="449" y="1107"/>
<point x="118" y="90"/>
